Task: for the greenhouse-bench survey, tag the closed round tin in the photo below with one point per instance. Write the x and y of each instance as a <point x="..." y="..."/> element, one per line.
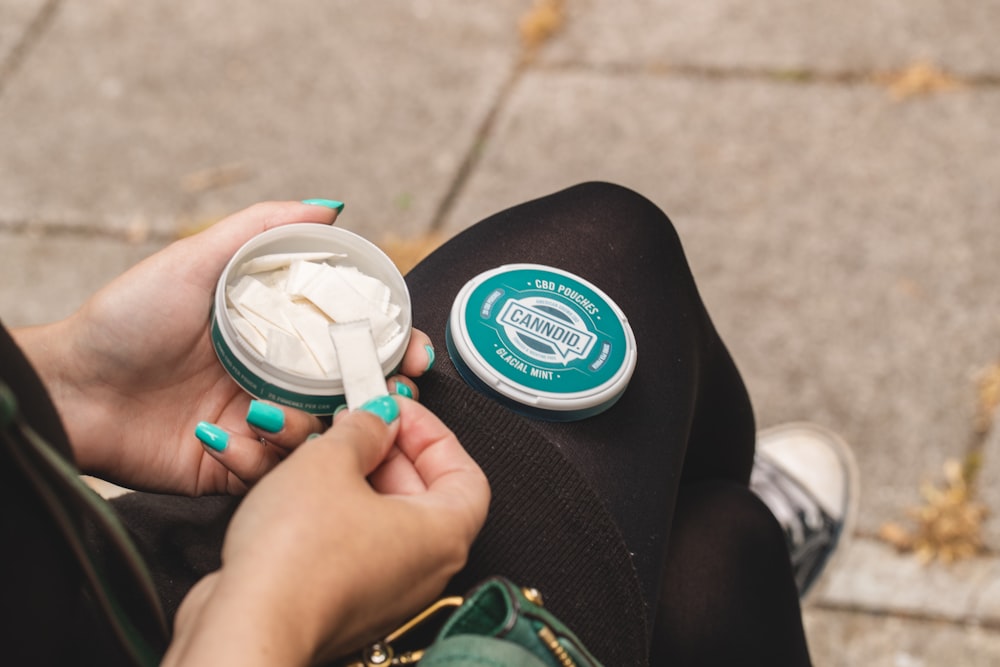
<point x="542" y="341"/>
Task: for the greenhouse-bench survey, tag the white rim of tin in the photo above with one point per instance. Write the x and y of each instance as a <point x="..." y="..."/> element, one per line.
<point x="587" y="402"/>
<point x="298" y="237"/>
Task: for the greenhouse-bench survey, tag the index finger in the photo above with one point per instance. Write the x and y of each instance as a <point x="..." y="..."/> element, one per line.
<point x="282" y="426"/>
<point x="439" y="459"/>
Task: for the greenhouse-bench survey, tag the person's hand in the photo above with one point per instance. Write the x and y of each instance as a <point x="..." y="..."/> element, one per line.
<point x="353" y="533"/>
<point x="133" y="371"/>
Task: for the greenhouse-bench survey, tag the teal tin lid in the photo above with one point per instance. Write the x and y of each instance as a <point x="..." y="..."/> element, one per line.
<point x="544" y="342"/>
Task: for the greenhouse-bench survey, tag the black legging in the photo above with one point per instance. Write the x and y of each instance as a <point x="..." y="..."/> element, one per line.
<point x="695" y="564"/>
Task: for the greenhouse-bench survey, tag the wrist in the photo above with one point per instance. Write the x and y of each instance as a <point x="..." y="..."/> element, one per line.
<point x="229" y="620"/>
<point x="48" y="348"/>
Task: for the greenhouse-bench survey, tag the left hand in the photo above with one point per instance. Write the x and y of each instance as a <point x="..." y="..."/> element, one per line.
<point x="133" y="371"/>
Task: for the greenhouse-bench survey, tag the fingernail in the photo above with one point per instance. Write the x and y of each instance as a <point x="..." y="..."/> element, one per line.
<point x="313" y="436"/>
<point x="403" y="389"/>
<point x="337" y="206"/>
<point x="383" y="407"/>
<point x="211" y="436"/>
<point x="431" y="358"/>
<point x="265" y="416"/>
<point x="340" y="408"/>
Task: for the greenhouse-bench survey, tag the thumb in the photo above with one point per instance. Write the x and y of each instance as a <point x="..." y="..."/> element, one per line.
<point x="218" y="243"/>
<point x="367" y="434"/>
<point x="232" y="231"/>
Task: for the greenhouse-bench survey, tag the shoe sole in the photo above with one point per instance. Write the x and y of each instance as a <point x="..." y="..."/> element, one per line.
<point x="770" y="438"/>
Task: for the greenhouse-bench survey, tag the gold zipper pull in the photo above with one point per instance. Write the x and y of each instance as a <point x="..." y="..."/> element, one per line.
<point x="383" y="653"/>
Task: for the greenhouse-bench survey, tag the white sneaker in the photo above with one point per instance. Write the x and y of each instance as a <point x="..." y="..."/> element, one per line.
<point x="808" y="477"/>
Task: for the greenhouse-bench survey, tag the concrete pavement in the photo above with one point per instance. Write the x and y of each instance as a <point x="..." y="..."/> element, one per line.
<point x="831" y="169"/>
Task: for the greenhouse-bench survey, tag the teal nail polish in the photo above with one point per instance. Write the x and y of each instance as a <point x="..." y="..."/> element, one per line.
<point x="403" y="389"/>
<point x="212" y="436"/>
<point x="313" y="436"/>
<point x="383" y="407"/>
<point x="337" y="206"/>
<point x="340" y="408"/>
<point x="431" y="358"/>
<point x="266" y="417"/>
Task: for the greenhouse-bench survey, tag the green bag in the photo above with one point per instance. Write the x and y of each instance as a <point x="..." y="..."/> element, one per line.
<point x="496" y="625"/>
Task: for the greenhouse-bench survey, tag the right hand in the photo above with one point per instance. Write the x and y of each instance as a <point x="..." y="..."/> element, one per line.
<point x="353" y="533"/>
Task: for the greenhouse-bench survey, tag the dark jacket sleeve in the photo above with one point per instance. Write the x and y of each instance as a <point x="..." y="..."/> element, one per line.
<point x="33" y="399"/>
<point x="47" y="618"/>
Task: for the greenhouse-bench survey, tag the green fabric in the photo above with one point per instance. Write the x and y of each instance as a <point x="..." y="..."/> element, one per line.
<point x="498" y="609"/>
<point x="475" y="650"/>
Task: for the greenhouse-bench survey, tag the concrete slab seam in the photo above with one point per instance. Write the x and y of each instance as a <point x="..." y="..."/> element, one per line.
<point x="31" y="35"/>
<point x="711" y="73"/>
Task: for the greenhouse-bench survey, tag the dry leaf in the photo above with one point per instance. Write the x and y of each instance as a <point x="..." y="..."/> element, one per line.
<point x="896" y="535"/>
<point x="407" y="253"/>
<point x="921" y="78"/>
<point x="948" y="527"/>
<point x="138" y="230"/>
<point x="539" y="23"/>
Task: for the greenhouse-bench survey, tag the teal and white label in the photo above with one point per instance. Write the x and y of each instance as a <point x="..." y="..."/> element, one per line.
<point x="257" y="387"/>
<point x="531" y="327"/>
<point x="546" y="331"/>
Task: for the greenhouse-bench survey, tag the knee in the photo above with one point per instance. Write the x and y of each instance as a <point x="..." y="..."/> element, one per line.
<point x="602" y="195"/>
<point x="604" y="191"/>
<point x="632" y="216"/>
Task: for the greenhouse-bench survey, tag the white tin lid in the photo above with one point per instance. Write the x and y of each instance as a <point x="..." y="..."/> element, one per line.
<point x="542" y="341"/>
